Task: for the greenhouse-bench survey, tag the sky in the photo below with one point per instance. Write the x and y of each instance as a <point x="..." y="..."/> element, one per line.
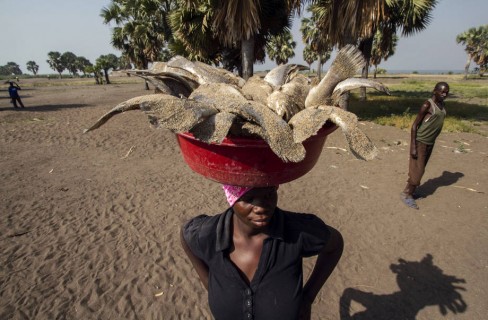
<point x="32" y="28"/>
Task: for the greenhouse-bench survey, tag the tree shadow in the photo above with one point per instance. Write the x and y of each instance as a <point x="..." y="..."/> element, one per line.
<point x="430" y="186"/>
<point x="46" y="107"/>
<point x="404" y="102"/>
<point x="421" y="284"/>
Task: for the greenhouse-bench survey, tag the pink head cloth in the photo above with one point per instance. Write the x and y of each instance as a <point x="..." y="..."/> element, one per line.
<point x="233" y="193"/>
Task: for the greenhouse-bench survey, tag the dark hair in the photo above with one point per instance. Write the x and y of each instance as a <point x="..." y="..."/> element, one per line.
<point x="441" y="84"/>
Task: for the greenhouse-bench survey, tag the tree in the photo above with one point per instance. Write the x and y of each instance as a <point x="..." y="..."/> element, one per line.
<point x="55" y="62"/>
<point x="124" y="62"/>
<point x="309" y="56"/>
<point x="68" y="59"/>
<point x="246" y="24"/>
<point x="193" y="36"/>
<point x="357" y="21"/>
<point x="383" y="48"/>
<point x="475" y="41"/>
<point x="142" y="28"/>
<point x="323" y="58"/>
<point x="32" y="67"/>
<point x="281" y="47"/>
<point x="165" y="55"/>
<point x="97" y="73"/>
<point x="11" y="68"/>
<point x="107" y="62"/>
<point x="81" y="63"/>
<point x="312" y="36"/>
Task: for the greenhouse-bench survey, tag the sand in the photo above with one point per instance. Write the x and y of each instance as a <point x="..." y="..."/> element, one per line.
<point x="89" y="223"/>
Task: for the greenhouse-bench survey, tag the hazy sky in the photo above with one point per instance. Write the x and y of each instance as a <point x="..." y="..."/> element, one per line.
<point x="32" y="28"/>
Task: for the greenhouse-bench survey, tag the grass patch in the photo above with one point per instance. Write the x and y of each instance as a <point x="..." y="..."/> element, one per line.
<point x="467" y="104"/>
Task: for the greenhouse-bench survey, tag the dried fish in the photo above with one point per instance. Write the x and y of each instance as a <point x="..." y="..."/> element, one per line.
<point x="280" y="108"/>
<point x="355" y="83"/>
<point x="348" y="61"/>
<point x="281" y="74"/>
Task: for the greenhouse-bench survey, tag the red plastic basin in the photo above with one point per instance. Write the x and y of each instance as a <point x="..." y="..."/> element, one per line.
<point x="249" y="162"/>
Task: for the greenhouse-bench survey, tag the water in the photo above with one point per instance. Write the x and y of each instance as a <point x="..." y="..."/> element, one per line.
<point x="454" y="71"/>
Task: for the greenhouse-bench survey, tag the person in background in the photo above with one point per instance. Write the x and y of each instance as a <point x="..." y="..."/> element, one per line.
<point x="249" y="258"/>
<point x="14" y="94"/>
<point x="425" y="130"/>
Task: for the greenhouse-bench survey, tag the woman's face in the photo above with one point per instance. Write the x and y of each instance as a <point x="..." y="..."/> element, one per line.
<point x="255" y="208"/>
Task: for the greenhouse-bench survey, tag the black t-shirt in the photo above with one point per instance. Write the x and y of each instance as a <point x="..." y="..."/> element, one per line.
<point x="275" y="291"/>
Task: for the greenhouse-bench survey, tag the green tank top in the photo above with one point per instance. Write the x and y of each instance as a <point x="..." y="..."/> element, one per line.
<point x="429" y="129"/>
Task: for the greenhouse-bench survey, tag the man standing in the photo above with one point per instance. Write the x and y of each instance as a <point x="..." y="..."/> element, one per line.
<point x="425" y="129"/>
<point x="14" y="94"/>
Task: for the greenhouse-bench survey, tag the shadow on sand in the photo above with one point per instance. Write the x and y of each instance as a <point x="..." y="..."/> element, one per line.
<point x="46" y="107"/>
<point x="421" y="284"/>
<point x="430" y="186"/>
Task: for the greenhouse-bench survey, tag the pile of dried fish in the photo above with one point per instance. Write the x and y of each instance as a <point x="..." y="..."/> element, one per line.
<point x="282" y="108"/>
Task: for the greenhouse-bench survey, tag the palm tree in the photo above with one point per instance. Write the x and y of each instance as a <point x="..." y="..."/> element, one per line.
<point x="55" y="62"/>
<point x="320" y="44"/>
<point x="475" y="41"/>
<point x="32" y="67"/>
<point x="106" y="62"/>
<point x="281" y="47"/>
<point x="238" y="23"/>
<point x="125" y="62"/>
<point x="356" y="21"/>
<point x="323" y="58"/>
<point x="384" y="45"/>
<point x="142" y="28"/>
<point x="309" y="56"/>
<point x="193" y="36"/>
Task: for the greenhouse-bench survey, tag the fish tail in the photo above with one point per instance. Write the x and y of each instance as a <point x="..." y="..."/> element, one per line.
<point x="122" y="107"/>
<point x="349" y="59"/>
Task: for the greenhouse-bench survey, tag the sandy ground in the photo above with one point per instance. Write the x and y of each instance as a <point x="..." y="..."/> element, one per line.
<point x="89" y="223"/>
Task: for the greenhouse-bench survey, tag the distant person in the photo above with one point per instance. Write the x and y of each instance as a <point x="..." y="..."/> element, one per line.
<point x="424" y="132"/>
<point x="14" y="94"/>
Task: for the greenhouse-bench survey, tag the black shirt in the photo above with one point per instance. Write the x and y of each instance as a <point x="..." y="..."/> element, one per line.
<point x="275" y="291"/>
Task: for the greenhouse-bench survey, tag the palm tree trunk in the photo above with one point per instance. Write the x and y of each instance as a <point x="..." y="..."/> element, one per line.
<point x="319" y="70"/>
<point x="466" y="67"/>
<point x="247" y="58"/>
<point x="365" y="46"/>
<point x="344" y="100"/>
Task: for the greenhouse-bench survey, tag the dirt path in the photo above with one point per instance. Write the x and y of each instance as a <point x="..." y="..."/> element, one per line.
<point x="89" y="223"/>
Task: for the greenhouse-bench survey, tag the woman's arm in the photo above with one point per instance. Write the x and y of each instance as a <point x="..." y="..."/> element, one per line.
<point x="327" y="260"/>
<point x="200" y="267"/>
